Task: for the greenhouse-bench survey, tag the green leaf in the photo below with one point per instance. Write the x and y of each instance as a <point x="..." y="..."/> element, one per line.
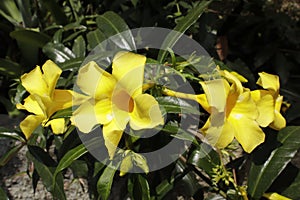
<point x="25" y="9"/>
<point x="65" y="113"/>
<point x="94" y="38"/>
<point x="177" y="105"/>
<point x="10" y="68"/>
<point x="56" y="11"/>
<point x="6" y="133"/>
<point x="3" y="195"/>
<point x="10" y="154"/>
<point x="33" y="38"/>
<point x="10" y="11"/>
<point x="177" y="132"/>
<point x="58" y="52"/>
<point x="205" y="158"/>
<point x="79" y="47"/>
<point x="141" y="189"/>
<point x="72" y="64"/>
<point x="44" y="166"/>
<point x="261" y="175"/>
<point x="68" y="159"/>
<point x="112" y="24"/>
<point x="105" y="181"/>
<point x="181" y="27"/>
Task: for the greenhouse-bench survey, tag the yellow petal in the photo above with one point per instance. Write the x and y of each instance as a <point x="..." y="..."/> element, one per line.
<point x="62" y="99"/>
<point x="34" y="82"/>
<point x="57" y="125"/>
<point x="240" y="77"/>
<point x="94" y="81"/>
<point x="265" y="106"/>
<point x="245" y="106"/>
<point x="216" y="94"/>
<point x="112" y="136"/>
<point x="30" y="123"/>
<point x="146" y="113"/>
<point x="128" y="69"/>
<point x="103" y="110"/>
<point x="279" y="121"/>
<point x="51" y="75"/>
<point x="234" y="80"/>
<point x="268" y="81"/>
<point x="32" y="105"/>
<point x="202" y="100"/>
<point x="84" y="117"/>
<point x="246" y="131"/>
<point x="218" y="136"/>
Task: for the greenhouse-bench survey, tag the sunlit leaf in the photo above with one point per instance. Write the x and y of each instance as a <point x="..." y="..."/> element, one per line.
<point x="58" y="52"/>
<point x="105" y="182"/>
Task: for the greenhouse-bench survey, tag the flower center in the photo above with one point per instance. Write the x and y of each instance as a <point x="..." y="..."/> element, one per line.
<point x="123" y="101"/>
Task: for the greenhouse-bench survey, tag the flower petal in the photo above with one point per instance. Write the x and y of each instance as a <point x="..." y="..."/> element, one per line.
<point x="219" y="136"/>
<point x="279" y="121"/>
<point x="128" y="69"/>
<point x="84" y="117"/>
<point x="245" y="106"/>
<point x="34" y="82"/>
<point x="51" y="75"/>
<point x="30" y="123"/>
<point x="103" y="110"/>
<point x="146" y="113"/>
<point x="212" y="89"/>
<point x="32" y="105"/>
<point x="247" y="132"/>
<point x="57" y="125"/>
<point x="112" y="136"/>
<point x="265" y="106"/>
<point x="94" y="81"/>
<point x="268" y="81"/>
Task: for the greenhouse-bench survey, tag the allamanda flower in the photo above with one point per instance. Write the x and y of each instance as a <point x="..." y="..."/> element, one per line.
<point x="44" y="100"/>
<point x="233" y="113"/>
<point x="271" y="85"/>
<point x="116" y="99"/>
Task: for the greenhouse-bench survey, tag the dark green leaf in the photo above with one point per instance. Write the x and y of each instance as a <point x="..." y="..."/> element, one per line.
<point x="141" y="188"/>
<point x="68" y="159"/>
<point x="94" y="38"/>
<point x="72" y="65"/>
<point x="105" y="182"/>
<point x="46" y="174"/>
<point x="6" y="133"/>
<point x="176" y="105"/>
<point x="25" y="9"/>
<point x="10" y="11"/>
<point x="79" y="47"/>
<point x="293" y="190"/>
<point x="33" y="38"/>
<point x="261" y="175"/>
<point x="58" y="52"/>
<point x="10" y="154"/>
<point x="66" y="113"/>
<point x="177" y="132"/>
<point x="112" y="24"/>
<point x="181" y="27"/>
<point x="205" y="158"/>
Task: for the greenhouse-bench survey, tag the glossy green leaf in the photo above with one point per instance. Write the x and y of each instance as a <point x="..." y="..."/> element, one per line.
<point x="261" y="175"/>
<point x="3" y="195"/>
<point x="181" y="27"/>
<point x="177" y="132"/>
<point x="72" y="64"/>
<point x="204" y="157"/>
<point x="94" y="38"/>
<point x="177" y="105"/>
<point x="30" y="37"/>
<point x="46" y="173"/>
<point x="58" y="52"/>
<point x="69" y="158"/>
<point x="79" y="47"/>
<point x="6" y="133"/>
<point x="10" y="154"/>
<point x="112" y="24"/>
<point x="105" y="181"/>
<point x="65" y="113"/>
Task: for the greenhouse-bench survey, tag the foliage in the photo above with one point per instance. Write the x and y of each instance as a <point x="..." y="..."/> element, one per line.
<point x="244" y="38"/>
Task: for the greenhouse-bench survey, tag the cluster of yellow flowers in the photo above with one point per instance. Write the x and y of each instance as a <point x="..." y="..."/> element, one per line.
<point x="114" y="100"/>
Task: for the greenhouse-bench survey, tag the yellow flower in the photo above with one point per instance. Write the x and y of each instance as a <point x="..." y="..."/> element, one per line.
<point x="116" y="99"/>
<point x="44" y="100"/>
<point x="233" y="113"/>
<point x="271" y="85"/>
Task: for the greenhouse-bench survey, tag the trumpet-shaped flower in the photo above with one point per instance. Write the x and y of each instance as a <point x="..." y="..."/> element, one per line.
<point x="44" y="100"/>
<point x="116" y="99"/>
<point x="271" y="85"/>
<point x="233" y="113"/>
